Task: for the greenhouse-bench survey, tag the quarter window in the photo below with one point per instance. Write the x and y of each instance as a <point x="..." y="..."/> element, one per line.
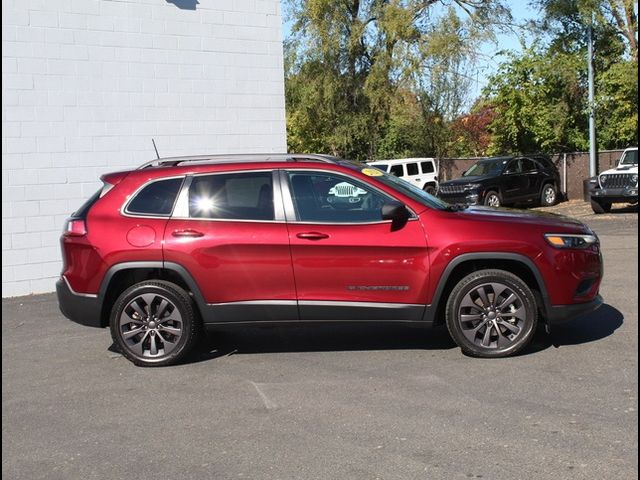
<point x="320" y="197"/>
<point x="157" y="198"/>
<point x="427" y="167"/>
<point x="235" y="196"/>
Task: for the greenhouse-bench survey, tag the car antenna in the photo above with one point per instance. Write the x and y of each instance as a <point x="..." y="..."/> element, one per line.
<point x="156" y="148"/>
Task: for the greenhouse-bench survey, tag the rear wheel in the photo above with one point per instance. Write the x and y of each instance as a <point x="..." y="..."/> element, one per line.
<point x="491" y="313"/>
<point x="549" y="195"/>
<point x="492" y="199"/>
<point x="600" y="206"/>
<point x="154" y="323"/>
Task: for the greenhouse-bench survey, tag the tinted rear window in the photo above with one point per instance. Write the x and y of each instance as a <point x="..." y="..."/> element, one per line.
<point x="427" y="167"/>
<point x="84" y="209"/>
<point x="412" y="169"/>
<point x="157" y="198"/>
<point x="234" y="196"/>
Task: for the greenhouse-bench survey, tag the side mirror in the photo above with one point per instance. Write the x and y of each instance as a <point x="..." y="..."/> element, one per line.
<point x="397" y="213"/>
<point x="462" y="174"/>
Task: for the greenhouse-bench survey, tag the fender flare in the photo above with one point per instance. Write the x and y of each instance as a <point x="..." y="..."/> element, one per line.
<point x="175" y="267"/>
<point x="466" y="257"/>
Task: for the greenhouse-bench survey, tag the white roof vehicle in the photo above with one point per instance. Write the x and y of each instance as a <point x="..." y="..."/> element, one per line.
<point x="618" y="184"/>
<point x="421" y="172"/>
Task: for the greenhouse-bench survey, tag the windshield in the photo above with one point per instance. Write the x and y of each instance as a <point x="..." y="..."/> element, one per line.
<point x="408" y="189"/>
<point x="630" y="157"/>
<point x="485" y="167"/>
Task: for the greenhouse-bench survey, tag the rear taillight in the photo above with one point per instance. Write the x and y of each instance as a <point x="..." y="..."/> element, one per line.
<point x="75" y="227"/>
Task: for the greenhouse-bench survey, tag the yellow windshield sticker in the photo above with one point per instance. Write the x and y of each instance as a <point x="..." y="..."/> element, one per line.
<point x="372" y="172"/>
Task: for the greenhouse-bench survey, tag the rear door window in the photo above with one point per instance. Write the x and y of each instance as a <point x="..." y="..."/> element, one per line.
<point x="233" y="196"/>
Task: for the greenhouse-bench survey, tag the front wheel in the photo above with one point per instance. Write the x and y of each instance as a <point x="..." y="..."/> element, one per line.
<point x="491" y="313"/>
<point x="600" y="206"/>
<point x="492" y="199"/>
<point x="549" y="195"/>
<point x="430" y="189"/>
<point x="154" y="323"/>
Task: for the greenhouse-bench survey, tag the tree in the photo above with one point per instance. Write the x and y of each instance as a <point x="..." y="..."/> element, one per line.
<point x="540" y="96"/>
<point x="370" y="78"/>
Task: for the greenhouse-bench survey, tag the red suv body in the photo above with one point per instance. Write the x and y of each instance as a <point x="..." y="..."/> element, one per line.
<point x="201" y="241"/>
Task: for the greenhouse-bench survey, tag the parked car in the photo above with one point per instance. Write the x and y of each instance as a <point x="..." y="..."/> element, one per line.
<point x="618" y="184"/>
<point x="421" y="172"/>
<point x="191" y="242"/>
<point x="502" y="181"/>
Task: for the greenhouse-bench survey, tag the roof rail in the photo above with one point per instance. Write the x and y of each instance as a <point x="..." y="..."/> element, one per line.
<point x="239" y="158"/>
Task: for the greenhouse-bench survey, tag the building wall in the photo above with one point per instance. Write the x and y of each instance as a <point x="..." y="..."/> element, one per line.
<point x="86" y="85"/>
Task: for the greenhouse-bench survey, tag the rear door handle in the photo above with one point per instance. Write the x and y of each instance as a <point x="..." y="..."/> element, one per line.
<point x="187" y="233"/>
<point x="312" y="236"/>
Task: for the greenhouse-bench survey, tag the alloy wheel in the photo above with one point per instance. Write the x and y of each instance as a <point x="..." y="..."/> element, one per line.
<point x="151" y="325"/>
<point x="493" y="200"/>
<point x="549" y="195"/>
<point x="492" y="315"/>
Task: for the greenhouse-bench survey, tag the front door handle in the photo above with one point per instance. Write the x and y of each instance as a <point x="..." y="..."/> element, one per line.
<point x="187" y="233"/>
<point x="312" y="235"/>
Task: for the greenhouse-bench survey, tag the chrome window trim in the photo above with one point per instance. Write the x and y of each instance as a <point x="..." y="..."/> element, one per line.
<point x="290" y="207"/>
<point x="124" y="210"/>
<point x="181" y="210"/>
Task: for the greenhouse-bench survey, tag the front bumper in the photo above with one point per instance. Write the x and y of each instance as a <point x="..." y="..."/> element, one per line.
<point x="82" y="309"/>
<point x="558" y="314"/>
<point x="613" y="195"/>
<point x="470" y="198"/>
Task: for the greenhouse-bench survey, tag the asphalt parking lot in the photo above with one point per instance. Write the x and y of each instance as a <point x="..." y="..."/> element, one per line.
<point x="331" y="402"/>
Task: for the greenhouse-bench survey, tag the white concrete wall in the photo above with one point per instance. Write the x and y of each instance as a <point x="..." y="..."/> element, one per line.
<point x="86" y="84"/>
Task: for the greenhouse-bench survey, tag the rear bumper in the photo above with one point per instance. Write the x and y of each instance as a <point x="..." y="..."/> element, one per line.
<point x="559" y="314"/>
<point x="82" y="309"/>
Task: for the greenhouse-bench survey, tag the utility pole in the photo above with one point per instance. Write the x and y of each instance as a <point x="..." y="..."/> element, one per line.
<point x="593" y="155"/>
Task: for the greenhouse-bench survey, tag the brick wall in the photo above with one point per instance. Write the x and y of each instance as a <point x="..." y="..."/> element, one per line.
<point x="86" y="84"/>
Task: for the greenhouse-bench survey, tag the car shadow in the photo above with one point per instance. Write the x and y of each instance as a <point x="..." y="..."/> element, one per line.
<point x="318" y="338"/>
<point x="335" y="337"/>
<point x="587" y="328"/>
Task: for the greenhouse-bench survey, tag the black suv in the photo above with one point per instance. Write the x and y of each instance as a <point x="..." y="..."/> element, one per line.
<point x="505" y="180"/>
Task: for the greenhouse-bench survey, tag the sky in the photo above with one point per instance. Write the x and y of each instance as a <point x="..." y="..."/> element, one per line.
<point x="489" y="60"/>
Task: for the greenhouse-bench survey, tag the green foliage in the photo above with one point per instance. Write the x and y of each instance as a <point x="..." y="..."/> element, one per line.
<point x="369" y="79"/>
<point x="540" y="97"/>
<point x="617" y="105"/>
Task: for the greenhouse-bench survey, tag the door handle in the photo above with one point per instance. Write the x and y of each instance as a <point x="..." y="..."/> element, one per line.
<point x="187" y="233"/>
<point x="312" y="236"/>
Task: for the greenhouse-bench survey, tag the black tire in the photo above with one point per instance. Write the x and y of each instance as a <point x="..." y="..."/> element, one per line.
<point x="491" y="313"/>
<point x="492" y="199"/>
<point x="137" y="331"/>
<point x="430" y="189"/>
<point x="600" y="206"/>
<point x="549" y="195"/>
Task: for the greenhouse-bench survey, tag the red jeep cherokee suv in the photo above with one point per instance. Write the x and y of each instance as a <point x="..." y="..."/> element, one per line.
<point x="190" y="242"/>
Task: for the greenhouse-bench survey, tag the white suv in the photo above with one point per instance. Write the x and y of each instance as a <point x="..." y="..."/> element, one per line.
<point x="421" y="172"/>
<point x="618" y="184"/>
